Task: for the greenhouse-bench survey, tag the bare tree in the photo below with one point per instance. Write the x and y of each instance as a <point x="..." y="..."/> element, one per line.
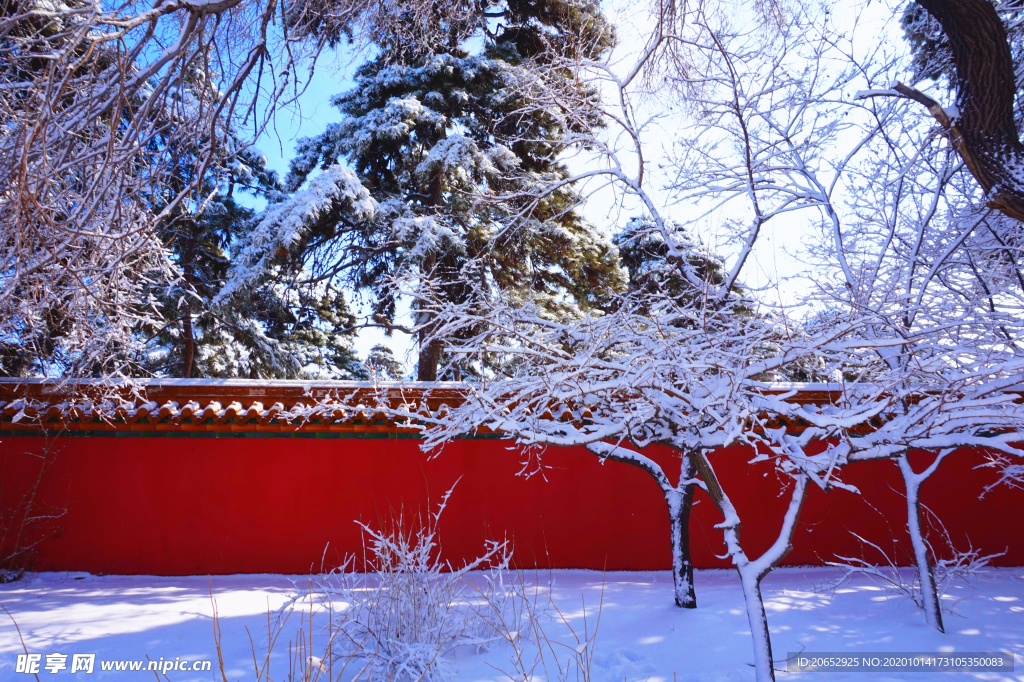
<point x="918" y="292"/>
<point x="98" y="107"/>
<point x="932" y="414"/>
<point x="688" y="376"/>
<point x="121" y="121"/>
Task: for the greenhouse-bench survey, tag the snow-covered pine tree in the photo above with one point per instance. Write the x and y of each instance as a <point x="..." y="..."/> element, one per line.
<point x="462" y="172"/>
<point x="382" y="362"/>
<point x="691" y="270"/>
<point x="271" y="330"/>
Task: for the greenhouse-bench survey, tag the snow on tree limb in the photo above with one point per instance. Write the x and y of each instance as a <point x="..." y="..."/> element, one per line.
<point x="337" y="191"/>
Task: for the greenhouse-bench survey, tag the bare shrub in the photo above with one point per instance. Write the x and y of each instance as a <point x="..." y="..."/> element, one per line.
<point x="891" y="572"/>
<point x="24" y="521"/>
<point x="534" y="650"/>
<point x="409" y="611"/>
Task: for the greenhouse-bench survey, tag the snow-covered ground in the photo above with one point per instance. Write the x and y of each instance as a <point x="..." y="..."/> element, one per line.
<point x="641" y="636"/>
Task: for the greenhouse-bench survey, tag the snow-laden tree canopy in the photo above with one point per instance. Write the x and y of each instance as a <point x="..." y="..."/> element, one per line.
<point x="462" y="159"/>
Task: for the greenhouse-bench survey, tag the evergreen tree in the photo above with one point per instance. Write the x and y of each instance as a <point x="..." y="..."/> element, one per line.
<point x="695" y="270"/>
<point x="381" y="361"/>
<point x="661" y="284"/>
<point x="271" y="330"/>
<point x="170" y="329"/>
<point x="457" y="164"/>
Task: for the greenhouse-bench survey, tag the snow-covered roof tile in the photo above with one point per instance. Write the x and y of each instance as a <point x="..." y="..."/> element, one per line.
<point x="247" y="405"/>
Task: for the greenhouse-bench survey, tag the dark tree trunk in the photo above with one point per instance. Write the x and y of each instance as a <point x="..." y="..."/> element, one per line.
<point x="430" y="356"/>
<point x="983" y="132"/>
<point x="679" y="500"/>
<point x="430" y="348"/>
<point x="187" y="334"/>
<point x="682" y="563"/>
<point x="189" y="349"/>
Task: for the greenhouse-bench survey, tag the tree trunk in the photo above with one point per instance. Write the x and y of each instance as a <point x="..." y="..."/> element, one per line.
<point x="187" y="333"/>
<point x="430" y="348"/>
<point x="925" y="571"/>
<point x="983" y="132"/>
<point x="679" y="500"/>
<point x="188" y="339"/>
<point x="679" y="506"/>
<point x="764" y="668"/>
<point x="429" y="359"/>
<point x="752" y="572"/>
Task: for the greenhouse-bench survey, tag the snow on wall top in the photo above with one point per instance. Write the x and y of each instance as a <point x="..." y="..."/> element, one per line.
<point x="247" y="405"/>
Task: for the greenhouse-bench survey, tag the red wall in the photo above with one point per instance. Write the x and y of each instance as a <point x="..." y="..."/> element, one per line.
<point x="172" y="506"/>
